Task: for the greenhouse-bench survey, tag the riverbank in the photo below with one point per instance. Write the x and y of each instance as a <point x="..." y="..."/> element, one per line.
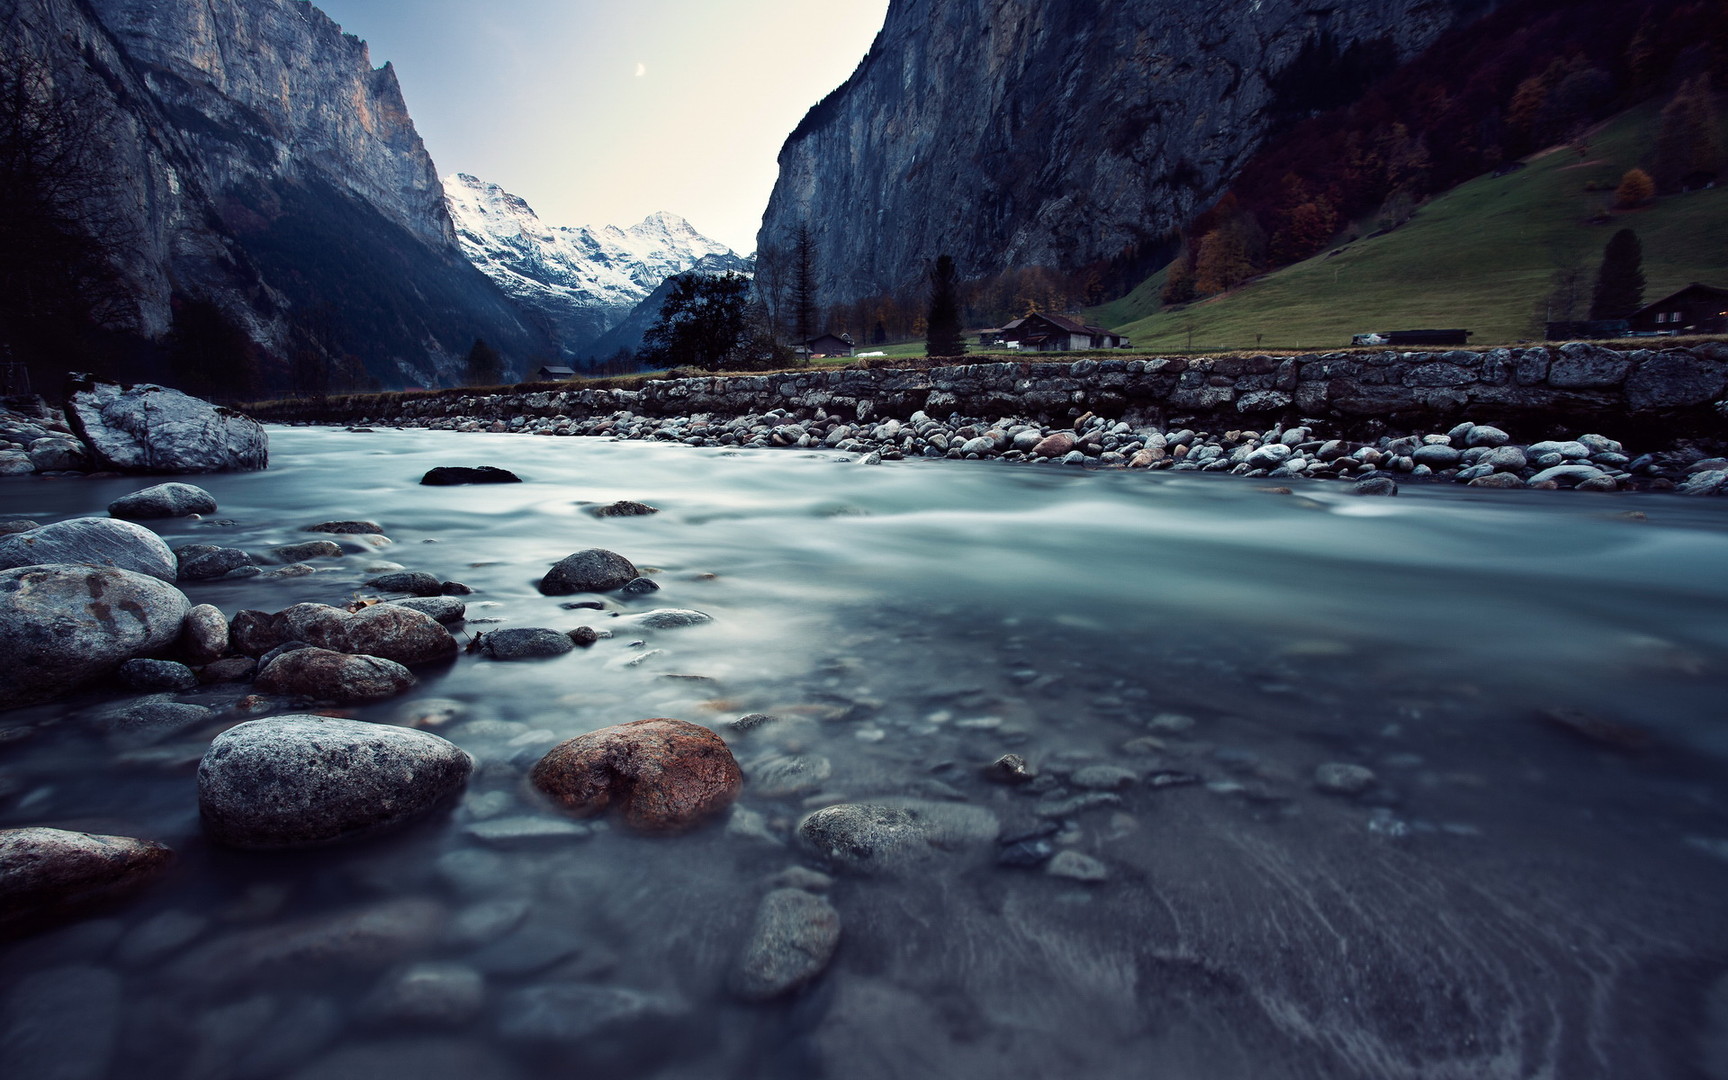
<point x="1641" y="395"/>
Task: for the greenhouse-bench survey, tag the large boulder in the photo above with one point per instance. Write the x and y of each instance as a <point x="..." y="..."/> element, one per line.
<point x="93" y="542"/>
<point x="306" y="781"/>
<point x="152" y="429"/>
<point x="62" y="626"/>
<point x="589" y="570"/>
<point x="663" y="775"/>
<point x="163" y="501"/>
<point x="45" y="872"/>
<point x="451" y="475"/>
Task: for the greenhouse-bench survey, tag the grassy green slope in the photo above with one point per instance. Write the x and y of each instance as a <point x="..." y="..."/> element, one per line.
<point x="1479" y="257"/>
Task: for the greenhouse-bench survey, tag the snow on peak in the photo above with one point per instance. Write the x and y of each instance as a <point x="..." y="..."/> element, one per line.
<point x="606" y="267"/>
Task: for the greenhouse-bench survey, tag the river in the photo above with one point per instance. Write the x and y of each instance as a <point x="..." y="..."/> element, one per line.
<point x="1510" y="899"/>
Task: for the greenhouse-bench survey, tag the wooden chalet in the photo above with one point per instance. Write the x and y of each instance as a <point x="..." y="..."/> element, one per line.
<point x="551" y="373"/>
<point x="1053" y="333"/>
<point x="828" y="345"/>
<point x="1696" y="309"/>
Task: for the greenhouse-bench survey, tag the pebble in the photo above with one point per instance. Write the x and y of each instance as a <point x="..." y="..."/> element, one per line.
<point x="662" y="775"/>
<point x="1077" y="866"/>
<point x="1010" y="769"/>
<point x="793" y="939"/>
<point x="1339" y="778"/>
<point x="430" y="993"/>
<point x="1103" y="777"/>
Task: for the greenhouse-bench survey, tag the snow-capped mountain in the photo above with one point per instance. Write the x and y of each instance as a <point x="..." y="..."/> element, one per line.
<point x="581" y="281"/>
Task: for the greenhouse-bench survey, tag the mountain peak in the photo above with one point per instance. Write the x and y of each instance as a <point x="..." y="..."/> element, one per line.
<point x="583" y="279"/>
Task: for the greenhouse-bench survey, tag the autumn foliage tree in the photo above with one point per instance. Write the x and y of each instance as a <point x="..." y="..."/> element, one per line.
<point x="1636" y="188"/>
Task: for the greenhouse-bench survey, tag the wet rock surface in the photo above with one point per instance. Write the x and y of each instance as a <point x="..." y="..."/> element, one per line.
<point x="147" y="428"/>
<point x="91" y="542"/>
<point x="662" y="775"/>
<point x="62" y="627"/>
<point x="794" y="936"/>
<point x="163" y="501"/>
<point x="333" y="676"/>
<point x="305" y="781"/>
<point x="589" y="570"/>
<point x="452" y="475"/>
<point x="47" y="875"/>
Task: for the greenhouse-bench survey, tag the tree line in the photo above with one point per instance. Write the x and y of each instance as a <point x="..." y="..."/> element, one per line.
<point x="1532" y="74"/>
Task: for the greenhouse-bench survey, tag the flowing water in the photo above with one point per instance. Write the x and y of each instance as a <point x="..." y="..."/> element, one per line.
<point x="1512" y="899"/>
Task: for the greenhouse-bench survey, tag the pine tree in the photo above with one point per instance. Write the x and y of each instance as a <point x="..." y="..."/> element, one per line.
<point x="1620" y="280"/>
<point x="483" y="367"/>
<point x="1179" y="280"/>
<point x="943" y="336"/>
<point x="803" y="285"/>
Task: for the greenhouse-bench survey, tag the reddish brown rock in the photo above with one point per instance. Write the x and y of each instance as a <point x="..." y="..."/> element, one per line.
<point x="47" y="874"/>
<point x="1054" y="445"/>
<point x="334" y="676"/>
<point x="663" y="775"/>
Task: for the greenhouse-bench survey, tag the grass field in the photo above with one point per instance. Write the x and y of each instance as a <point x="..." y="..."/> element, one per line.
<point x="1480" y="257"/>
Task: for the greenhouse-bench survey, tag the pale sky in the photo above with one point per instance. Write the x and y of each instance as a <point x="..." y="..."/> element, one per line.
<point x="600" y="112"/>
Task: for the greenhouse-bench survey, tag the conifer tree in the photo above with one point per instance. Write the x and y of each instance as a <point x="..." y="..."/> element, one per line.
<point x="803" y="285"/>
<point x="1688" y="141"/>
<point x="1620" y="280"/>
<point x="484" y="367"/>
<point x="943" y="336"/>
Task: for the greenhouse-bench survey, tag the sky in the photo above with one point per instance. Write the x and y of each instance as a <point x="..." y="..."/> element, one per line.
<point x="601" y="112"/>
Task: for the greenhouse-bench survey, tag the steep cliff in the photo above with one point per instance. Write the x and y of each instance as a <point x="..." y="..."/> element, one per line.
<point x="579" y="281"/>
<point x="260" y="161"/>
<point x="1014" y="133"/>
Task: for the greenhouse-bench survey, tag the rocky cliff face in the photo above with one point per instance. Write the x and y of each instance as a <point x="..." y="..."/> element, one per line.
<point x="1012" y="133"/>
<point x="266" y="165"/>
<point x="580" y="281"/>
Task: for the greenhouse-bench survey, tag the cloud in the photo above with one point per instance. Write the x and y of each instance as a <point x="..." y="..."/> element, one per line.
<point x="641" y="69"/>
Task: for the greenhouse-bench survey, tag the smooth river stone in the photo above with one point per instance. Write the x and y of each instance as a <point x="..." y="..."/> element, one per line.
<point x="65" y="626"/>
<point x="92" y="542"/>
<point x="42" y="870"/>
<point x="306" y="781"/>
<point x="662" y="775"/>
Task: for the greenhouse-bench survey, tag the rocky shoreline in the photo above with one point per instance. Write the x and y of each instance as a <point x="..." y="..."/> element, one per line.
<point x="1479" y="455"/>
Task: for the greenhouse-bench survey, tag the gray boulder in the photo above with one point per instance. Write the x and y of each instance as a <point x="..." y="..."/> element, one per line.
<point x="92" y="542"/>
<point x="334" y="676"/>
<point x="204" y="637"/>
<point x="590" y="570"/>
<point x="63" y="626"/>
<point x="887" y="836"/>
<point x="1567" y="475"/>
<point x="794" y="937"/>
<point x="151" y="676"/>
<point x="412" y="582"/>
<point x="164" y="501"/>
<point x="15" y="463"/>
<point x="58" y="453"/>
<point x="306" y="781"/>
<point x="446" y="609"/>
<point x="207" y="562"/>
<point x="147" y="428"/>
<point x="42" y="870"/>
<point x="1675" y="379"/>
<point x="526" y="643"/>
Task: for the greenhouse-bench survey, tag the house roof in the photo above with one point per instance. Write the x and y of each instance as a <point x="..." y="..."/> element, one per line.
<point x="549" y="369"/>
<point x="829" y="337"/>
<point x="1707" y="292"/>
<point x="1073" y="326"/>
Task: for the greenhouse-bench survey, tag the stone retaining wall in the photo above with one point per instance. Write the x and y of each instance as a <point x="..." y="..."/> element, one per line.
<point x="1674" y="392"/>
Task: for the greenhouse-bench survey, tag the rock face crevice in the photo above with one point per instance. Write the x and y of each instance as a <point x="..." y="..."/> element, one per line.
<point x="257" y="159"/>
<point x="1013" y="133"/>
